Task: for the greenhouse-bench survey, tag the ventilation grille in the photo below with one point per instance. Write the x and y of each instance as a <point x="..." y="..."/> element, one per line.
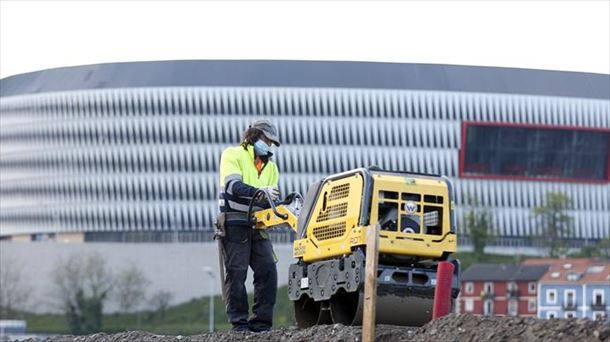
<point x="329" y="231"/>
<point x="338" y="192"/>
<point x="333" y="212"/>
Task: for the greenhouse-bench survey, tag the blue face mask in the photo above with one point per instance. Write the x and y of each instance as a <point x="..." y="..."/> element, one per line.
<point x="261" y="149"/>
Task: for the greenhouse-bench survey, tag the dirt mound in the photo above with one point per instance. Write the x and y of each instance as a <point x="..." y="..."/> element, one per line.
<point x="483" y="328"/>
<point x="450" y="328"/>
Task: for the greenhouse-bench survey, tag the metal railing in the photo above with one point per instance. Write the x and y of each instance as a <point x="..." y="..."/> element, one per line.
<point x="512" y="293"/>
<point x="598" y="306"/>
<point x="571" y="306"/>
<point x="487" y="294"/>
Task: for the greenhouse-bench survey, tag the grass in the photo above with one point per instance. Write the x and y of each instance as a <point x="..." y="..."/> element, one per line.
<point x="188" y="318"/>
<point x="191" y="318"/>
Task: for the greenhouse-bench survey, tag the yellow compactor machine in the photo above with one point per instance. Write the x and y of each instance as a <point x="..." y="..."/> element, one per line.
<point x="417" y="230"/>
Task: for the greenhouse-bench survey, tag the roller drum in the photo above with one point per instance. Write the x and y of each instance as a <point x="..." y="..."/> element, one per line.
<point x="333" y="292"/>
<point x="347" y="308"/>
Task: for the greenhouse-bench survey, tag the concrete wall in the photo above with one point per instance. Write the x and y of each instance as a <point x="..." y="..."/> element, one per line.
<point x="172" y="267"/>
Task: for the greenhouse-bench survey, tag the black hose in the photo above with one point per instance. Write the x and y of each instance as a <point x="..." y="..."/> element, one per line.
<point x="269" y="200"/>
<point x="290" y="197"/>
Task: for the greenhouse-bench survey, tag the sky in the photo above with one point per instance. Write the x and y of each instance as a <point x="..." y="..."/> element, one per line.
<point x="553" y="35"/>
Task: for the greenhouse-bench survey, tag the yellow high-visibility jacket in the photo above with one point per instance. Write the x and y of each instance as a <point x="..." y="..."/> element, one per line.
<point x="239" y="178"/>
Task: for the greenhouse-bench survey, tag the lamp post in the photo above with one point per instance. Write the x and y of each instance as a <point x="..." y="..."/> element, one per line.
<point x="210" y="273"/>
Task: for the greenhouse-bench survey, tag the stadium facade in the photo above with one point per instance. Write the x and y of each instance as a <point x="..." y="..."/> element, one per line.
<point x="130" y="151"/>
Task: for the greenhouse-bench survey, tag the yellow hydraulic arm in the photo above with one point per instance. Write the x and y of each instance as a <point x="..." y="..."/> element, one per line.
<point x="285" y="214"/>
<point x="267" y="218"/>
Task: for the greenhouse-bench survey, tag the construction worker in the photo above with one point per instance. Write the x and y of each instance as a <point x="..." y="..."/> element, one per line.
<point x="243" y="170"/>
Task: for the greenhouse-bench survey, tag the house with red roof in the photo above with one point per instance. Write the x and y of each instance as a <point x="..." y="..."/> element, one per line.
<point x="573" y="288"/>
<point x="500" y="290"/>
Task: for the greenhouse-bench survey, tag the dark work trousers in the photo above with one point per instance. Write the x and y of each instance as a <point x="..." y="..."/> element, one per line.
<point x="243" y="247"/>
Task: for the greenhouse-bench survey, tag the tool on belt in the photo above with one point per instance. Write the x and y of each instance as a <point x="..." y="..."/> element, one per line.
<point x="220" y="233"/>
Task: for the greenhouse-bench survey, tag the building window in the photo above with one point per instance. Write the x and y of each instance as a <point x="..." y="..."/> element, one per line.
<point x="513" y="308"/>
<point x="569" y="314"/>
<point x="488" y="287"/>
<point x="531" y="305"/>
<point x="468" y="305"/>
<point x="531" y="287"/>
<point x="551" y="314"/>
<point x="595" y="269"/>
<point x="512" y="290"/>
<point x="598" y="297"/>
<point x="488" y="307"/>
<point x="469" y="288"/>
<point x="551" y="296"/>
<point x="570" y="299"/>
<point x="574" y="276"/>
<point x="534" y="152"/>
<point x="599" y="315"/>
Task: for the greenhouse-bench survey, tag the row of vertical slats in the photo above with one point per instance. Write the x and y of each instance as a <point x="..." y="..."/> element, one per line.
<point x="223" y="130"/>
<point x="152" y="186"/>
<point x="138" y="216"/>
<point x="311" y="102"/>
<point x="205" y="158"/>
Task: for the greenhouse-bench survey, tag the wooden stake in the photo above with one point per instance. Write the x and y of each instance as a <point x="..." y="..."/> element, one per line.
<point x="370" y="283"/>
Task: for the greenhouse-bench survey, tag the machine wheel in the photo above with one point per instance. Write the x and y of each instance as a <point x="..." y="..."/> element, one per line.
<point x="344" y="306"/>
<point x="306" y="312"/>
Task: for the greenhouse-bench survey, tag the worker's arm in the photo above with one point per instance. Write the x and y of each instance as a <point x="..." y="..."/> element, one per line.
<point x="238" y="188"/>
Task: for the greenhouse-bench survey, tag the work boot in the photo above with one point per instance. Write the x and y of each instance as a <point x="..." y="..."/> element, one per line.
<point x="241" y="328"/>
<point x="259" y="327"/>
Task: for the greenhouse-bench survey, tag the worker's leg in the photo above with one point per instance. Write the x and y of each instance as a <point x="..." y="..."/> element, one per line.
<point x="237" y="246"/>
<point x="262" y="261"/>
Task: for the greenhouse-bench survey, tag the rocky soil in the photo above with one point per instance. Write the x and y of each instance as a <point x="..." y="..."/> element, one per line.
<point x="450" y="328"/>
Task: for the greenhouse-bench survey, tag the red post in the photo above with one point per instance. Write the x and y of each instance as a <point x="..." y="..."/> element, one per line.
<point x="442" y="292"/>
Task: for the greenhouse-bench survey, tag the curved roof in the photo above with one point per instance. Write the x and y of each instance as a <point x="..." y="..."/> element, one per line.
<point x="269" y="73"/>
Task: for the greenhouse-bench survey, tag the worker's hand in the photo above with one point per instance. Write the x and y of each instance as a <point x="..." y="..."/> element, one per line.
<point x="274" y="193"/>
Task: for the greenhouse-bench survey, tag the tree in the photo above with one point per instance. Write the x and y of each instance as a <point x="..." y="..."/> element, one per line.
<point x="14" y="291"/>
<point x="554" y="222"/>
<point x="478" y="225"/>
<point x="159" y="302"/>
<point x="130" y="289"/>
<point x="81" y="286"/>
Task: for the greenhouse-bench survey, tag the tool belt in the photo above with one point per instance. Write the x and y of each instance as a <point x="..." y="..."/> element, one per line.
<point x="224" y="219"/>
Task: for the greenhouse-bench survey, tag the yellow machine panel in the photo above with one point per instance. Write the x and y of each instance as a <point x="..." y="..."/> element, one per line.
<point x="414" y="214"/>
<point x="335" y="214"/>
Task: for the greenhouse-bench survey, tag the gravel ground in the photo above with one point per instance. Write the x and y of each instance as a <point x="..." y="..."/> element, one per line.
<point x="450" y="328"/>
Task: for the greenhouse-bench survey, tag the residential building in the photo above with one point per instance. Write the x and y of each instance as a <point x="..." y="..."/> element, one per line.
<point x="573" y="288"/>
<point x="500" y="290"/>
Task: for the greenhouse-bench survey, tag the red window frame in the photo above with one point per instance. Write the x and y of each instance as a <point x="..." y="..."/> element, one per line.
<point x="462" y="152"/>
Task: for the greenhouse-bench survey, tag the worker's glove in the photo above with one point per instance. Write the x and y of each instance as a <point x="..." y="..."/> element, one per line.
<point x="273" y="193"/>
